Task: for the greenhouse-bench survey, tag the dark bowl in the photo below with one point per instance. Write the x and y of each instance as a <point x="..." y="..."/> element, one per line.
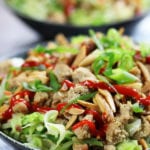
<point x="13" y="143"/>
<point x="49" y="29"/>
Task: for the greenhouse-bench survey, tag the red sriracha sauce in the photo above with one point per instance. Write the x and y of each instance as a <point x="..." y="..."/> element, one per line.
<point x="36" y="108"/>
<point x="99" y="122"/>
<point x="17" y="98"/>
<point x="97" y="117"/>
<point x="145" y="101"/>
<point x="31" y="64"/>
<point x="139" y="57"/>
<point x="68" y="83"/>
<point x="69" y="6"/>
<point x="36" y="64"/>
<point x="127" y="91"/>
<point x="90" y="124"/>
<point x="148" y="59"/>
<point x="60" y="106"/>
<point x="20" y="98"/>
<point x="100" y="132"/>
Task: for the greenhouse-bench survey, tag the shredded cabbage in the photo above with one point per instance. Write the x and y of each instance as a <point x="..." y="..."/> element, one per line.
<point x="57" y="130"/>
<point x="129" y="145"/>
<point x="134" y="126"/>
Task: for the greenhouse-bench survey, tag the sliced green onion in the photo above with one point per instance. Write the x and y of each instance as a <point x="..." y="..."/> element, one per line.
<point x="78" y="39"/>
<point x="58" y="49"/>
<point x="126" y="62"/>
<point x="84" y="97"/>
<point x="93" y="142"/>
<point x="97" y="65"/>
<point x="54" y="84"/>
<point x="137" y="108"/>
<point x="114" y="34"/>
<point x="121" y="76"/>
<point x="36" y="86"/>
<point x="95" y="39"/>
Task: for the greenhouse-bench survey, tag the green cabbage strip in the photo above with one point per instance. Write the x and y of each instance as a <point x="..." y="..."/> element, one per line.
<point x="129" y="145"/>
<point x="134" y="126"/>
<point x="56" y="130"/>
<point x="58" y="49"/>
<point x="26" y="128"/>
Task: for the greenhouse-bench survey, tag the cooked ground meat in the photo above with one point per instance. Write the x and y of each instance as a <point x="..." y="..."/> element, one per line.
<point x="28" y="76"/>
<point x="82" y="74"/>
<point x="66" y="96"/>
<point x="126" y="113"/>
<point x="82" y="132"/>
<point x="80" y="146"/>
<point x="40" y="97"/>
<point x="109" y="147"/>
<point x="62" y="72"/>
<point x="20" y="108"/>
<point x="115" y="132"/>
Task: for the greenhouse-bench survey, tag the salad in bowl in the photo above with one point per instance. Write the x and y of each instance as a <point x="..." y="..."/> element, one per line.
<point x="88" y="93"/>
<point x="81" y="12"/>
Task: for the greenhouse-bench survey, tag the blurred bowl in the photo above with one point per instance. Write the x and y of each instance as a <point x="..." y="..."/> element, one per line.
<point x="13" y="143"/>
<point x="49" y="30"/>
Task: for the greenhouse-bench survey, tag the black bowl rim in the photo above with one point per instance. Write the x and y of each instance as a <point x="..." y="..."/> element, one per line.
<point x="13" y="141"/>
<point x="136" y="17"/>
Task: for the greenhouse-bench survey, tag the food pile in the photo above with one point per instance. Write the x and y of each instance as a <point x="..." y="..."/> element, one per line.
<point x="88" y="93"/>
<point x="81" y="12"/>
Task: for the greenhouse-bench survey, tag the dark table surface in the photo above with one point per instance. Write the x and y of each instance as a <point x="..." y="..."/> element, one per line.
<point x="14" y="34"/>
